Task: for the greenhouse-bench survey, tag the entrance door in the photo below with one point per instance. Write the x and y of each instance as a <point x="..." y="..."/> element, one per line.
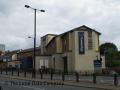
<point x="65" y="64"/>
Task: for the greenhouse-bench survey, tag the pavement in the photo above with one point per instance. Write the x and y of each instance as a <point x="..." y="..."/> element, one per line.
<point x="101" y="79"/>
<point x="89" y="85"/>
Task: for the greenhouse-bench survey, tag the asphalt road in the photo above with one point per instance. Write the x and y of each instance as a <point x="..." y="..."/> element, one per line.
<point x="7" y="87"/>
<point x="5" y="84"/>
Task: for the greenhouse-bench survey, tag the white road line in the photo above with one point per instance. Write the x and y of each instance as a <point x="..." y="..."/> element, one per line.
<point x="33" y="88"/>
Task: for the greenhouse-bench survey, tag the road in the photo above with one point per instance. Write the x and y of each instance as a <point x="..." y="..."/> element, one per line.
<point x="5" y="83"/>
<point x="27" y="84"/>
<point x="43" y="87"/>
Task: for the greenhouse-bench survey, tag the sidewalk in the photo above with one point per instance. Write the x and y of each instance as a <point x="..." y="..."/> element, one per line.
<point x="91" y="85"/>
<point x="69" y="83"/>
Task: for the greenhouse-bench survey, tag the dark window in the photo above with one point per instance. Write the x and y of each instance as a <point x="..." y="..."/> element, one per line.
<point x="65" y="43"/>
<point x="81" y="42"/>
<point x="65" y="64"/>
<point x="90" y="43"/>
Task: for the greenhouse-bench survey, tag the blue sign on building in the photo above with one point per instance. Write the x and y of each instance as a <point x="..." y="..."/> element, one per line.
<point x="81" y="43"/>
<point x="97" y="64"/>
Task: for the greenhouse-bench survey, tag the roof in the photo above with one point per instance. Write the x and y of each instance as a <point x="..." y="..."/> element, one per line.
<point x="29" y="50"/>
<point x="49" y="34"/>
<point x="75" y="29"/>
<point x="83" y="26"/>
<point x="21" y="50"/>
<point x="51" y="41"/>
<point x="11" y="52"/>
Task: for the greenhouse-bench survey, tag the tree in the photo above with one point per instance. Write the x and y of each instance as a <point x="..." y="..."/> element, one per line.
<point x="110" y="50"/>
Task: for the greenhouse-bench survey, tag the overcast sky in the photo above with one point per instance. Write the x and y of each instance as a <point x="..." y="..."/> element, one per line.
<point x="16" y="21"/>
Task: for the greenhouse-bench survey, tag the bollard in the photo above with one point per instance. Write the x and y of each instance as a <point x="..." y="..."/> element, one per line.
<point x="33" y="74"/>
<point x="6" y="70"/>
<point x="94" y="78"/>
<point x="51" y="75"/>
<point x="18" y="72"/>
<point x="25" y="73"/>
<point x="1" y="70"/>
<point x="41" y="73"/>
<point x="0" y="87"/>
<point x="12" y="71"/>
<point x="77" y="77"/>
<point x="115" y="80"/>
<point x="63" y="76"/>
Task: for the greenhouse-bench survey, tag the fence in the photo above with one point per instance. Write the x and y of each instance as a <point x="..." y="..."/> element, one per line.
<point x="74" y="76"/>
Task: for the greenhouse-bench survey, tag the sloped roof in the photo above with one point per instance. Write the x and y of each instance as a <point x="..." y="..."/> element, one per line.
<point x="30" y="49"/>
<point x="49" y="34"/>
<point x="75" y="29"/>
<point x="51" y="40"/>
<point x="78" y="28"/>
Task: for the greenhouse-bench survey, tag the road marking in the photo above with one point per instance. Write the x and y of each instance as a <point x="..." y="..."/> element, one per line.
<point x="33" y="88"/>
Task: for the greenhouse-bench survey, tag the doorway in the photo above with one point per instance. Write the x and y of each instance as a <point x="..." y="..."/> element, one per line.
<point x="65" y="64"/>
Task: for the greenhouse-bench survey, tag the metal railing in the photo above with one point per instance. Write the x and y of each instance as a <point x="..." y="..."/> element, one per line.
<point x="70" y="76"/>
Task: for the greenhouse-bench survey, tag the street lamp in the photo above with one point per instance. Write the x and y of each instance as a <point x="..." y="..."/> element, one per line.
<point x="30" y="37"/>
<point x="34" y="53"/>
<point x="105" y="55"/>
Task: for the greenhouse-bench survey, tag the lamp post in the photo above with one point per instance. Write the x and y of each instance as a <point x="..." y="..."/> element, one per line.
<point x="105" y="55"/>
<point x="34" y="52"/>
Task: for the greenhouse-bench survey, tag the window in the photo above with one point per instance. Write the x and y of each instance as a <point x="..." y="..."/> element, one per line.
<point x="81" y="42"/>
<point x="65" y="43"/>
<point x="65" y="46"/>
<point x="90" y="43"/>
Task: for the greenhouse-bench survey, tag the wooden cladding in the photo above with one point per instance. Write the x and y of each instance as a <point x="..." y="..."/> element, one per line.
<point x="90" y="42"/>
<point x="51" y="48"/>
<point x="65" y="43"/>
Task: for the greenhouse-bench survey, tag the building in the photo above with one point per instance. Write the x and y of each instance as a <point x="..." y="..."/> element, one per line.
<point x="2" y="47"/>
<point x="19" y="59"/>
<point x="9" y="59"/>
<point x="74" y="50"/>
<point x="26" y="58"/>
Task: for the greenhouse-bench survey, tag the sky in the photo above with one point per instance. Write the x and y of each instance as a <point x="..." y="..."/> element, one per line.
<point x="17" y="22"/>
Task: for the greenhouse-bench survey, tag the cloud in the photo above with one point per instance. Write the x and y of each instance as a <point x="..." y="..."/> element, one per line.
<point x="17" y="22"/>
